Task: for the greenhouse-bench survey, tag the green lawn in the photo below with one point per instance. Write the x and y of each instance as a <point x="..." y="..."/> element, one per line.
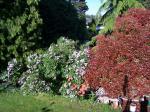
<point x="45" y="103"/>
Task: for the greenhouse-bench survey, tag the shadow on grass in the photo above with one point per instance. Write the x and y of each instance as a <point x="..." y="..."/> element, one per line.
<point x="46" y="109"/>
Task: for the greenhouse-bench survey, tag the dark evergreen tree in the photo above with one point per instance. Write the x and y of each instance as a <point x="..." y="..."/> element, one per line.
<point x="19" y="28"/>
<point x="60" y="18"/>
<point x="81" y="8"/>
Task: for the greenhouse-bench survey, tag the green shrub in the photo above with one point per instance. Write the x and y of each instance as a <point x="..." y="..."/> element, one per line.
<point x="45" y="69"/>
<point x="3" y="76"/>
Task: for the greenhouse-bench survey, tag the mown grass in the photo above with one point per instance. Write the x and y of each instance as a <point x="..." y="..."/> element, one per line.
<point x="14" y="102"/>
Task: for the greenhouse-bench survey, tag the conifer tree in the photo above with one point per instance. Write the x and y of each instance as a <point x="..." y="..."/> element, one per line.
<point x="19" y="28"/>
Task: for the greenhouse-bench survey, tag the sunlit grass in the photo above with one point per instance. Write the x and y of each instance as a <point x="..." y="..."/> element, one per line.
<point x="15" y="102"/>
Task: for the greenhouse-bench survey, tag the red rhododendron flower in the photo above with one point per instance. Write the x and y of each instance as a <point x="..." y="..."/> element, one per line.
<point x="73" y="86"/>
<point x="69" y="79"/>
<point x="83" y="88"/>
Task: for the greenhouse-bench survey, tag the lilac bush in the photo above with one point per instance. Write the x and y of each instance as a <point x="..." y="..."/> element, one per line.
<point x="30" y="81"/>
<point x="45" y="69"/>
<point x="49" y="71"/>
<point x="13" y="71"/>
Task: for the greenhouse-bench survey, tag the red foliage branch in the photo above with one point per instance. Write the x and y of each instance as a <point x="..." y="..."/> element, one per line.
<point x="120" y="62"/>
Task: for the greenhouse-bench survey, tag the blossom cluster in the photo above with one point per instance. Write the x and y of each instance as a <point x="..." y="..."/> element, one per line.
<point x="75" y="70"/>
<point x="30" y="81"/>
<point x="33" y="84"/>
<point x="13" y="69"/>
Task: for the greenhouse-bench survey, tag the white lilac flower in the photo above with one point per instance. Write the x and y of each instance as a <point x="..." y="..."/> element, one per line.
<point x="100" y="92"/>
<point x="68" y="91"/>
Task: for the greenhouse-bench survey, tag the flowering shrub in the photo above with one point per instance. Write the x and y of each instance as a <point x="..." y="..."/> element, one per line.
<point x="30" y="81"/>
<point x="58" y="70"/>
<point x="33" y="84"/>
<point x="13" y="71"/>
<point x="120" y="63"/>
<point x="9" y="78"/>
<point x="45" y="69"/>
<point x="74" y="70"/>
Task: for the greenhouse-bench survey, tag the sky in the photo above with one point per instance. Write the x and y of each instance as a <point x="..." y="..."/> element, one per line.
<point x="93" y="6"/>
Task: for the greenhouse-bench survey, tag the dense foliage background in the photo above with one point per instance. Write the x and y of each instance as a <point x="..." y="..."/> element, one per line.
<point x="20" y="29"/>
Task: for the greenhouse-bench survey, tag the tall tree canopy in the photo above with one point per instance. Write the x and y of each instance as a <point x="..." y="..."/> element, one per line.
<point x="60" y="18"/>
<point x="112" y="9"/>
<point x="20" y="25"/>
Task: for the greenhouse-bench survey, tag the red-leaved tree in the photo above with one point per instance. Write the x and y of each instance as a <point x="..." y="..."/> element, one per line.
<point x="120" y="62"/>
